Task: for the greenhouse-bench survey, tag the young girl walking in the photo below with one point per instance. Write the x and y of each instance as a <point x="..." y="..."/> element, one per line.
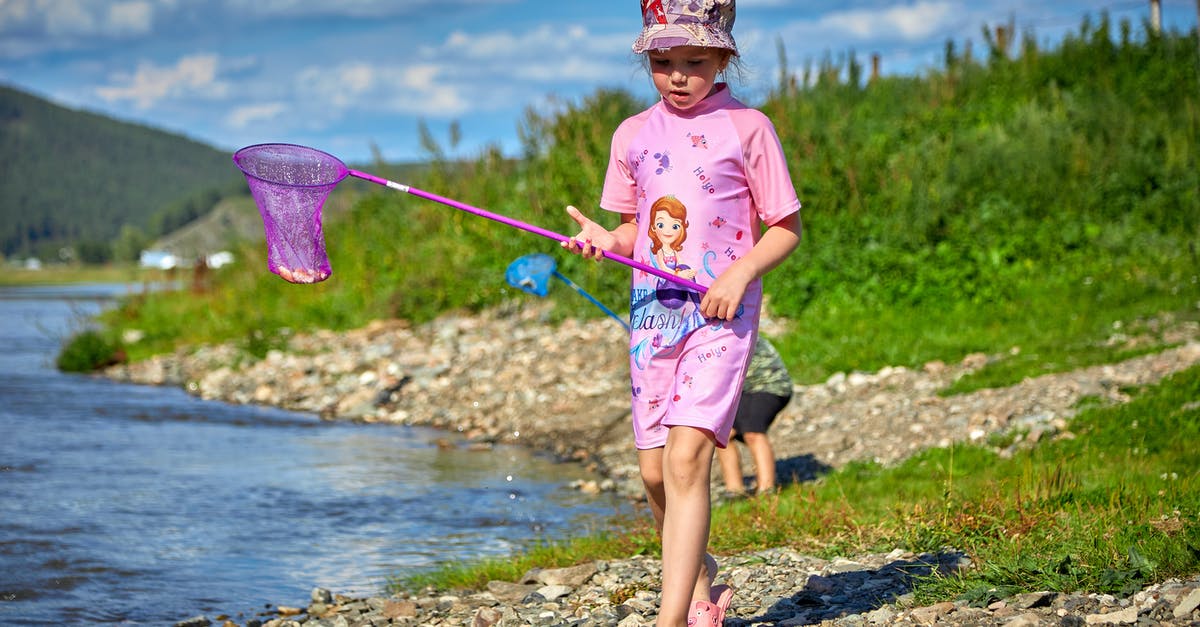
<point x="694" y="179"/>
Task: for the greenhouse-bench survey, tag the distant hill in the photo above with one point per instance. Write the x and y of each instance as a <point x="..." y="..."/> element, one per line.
<point x="72" y="177"/>
<point x="231" y="221"/>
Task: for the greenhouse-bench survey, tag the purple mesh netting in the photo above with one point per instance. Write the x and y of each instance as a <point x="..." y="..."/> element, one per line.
<point x="290" y="184"/>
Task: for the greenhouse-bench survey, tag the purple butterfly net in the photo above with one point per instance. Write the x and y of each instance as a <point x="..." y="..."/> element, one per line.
<point x="290" y="185"/>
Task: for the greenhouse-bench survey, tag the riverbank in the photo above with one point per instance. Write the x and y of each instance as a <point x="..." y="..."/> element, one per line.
<point x="776" y="587"/>
<point x="512" y="377"/>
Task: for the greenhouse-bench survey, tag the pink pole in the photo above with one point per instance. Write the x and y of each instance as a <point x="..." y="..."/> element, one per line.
<point x="524" y="227"/>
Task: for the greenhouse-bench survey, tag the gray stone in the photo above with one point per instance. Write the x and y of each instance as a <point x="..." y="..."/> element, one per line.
<point x="321" y="595"/>
<point x="506" y="591"/>
<point x="1188" y="604"/>
<point x="553" y="592"/>
<point x="1127" y="616"/>
<point x="573" y="576"/>
<point x="1032" y="599"/>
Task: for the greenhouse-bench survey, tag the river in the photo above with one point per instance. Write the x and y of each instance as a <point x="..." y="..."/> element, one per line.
<point x="142" y="505"/>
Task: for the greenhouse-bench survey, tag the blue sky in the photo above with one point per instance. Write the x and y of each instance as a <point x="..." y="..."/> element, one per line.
<point x="348" y="74"/>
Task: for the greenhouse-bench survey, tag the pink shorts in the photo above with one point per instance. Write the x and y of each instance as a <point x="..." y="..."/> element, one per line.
<point x="697" y="383"/>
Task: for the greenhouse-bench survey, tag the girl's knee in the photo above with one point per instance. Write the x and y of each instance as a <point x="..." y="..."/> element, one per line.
<point x="653" y="483"/>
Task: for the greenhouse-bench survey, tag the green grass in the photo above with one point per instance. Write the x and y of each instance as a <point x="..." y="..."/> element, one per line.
<point x="1111" y="508"/>
<point x="76" y="273"/>
<point x="1070" y="319"/>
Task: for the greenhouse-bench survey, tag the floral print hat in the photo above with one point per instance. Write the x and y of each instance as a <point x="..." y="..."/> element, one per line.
<point x="671" y="23"/>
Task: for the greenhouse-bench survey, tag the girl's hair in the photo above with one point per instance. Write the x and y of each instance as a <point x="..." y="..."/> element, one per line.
<point x="676" y="210"/>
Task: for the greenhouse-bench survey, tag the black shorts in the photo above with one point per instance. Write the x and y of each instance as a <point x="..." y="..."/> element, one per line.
<point x="756" y="412"/>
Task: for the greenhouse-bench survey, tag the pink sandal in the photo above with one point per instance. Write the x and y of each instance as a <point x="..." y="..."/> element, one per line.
<point x="711" y="613"/>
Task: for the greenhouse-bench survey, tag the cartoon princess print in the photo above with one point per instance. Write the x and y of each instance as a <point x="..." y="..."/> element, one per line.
<point x="668" y="231"/>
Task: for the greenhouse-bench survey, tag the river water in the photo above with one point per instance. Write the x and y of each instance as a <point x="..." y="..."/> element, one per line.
<point x="142" y="505"/>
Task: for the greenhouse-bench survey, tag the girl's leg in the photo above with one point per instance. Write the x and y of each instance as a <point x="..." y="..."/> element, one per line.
<point x="686" y="471"/>
<point x="650" y="463"/>
<point x="731" y="468"/>
<point x="764" y="460"/>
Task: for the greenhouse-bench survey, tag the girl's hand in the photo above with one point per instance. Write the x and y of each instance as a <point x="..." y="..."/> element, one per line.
<point x="724" y="296"/>
<point x="592" y="240"/>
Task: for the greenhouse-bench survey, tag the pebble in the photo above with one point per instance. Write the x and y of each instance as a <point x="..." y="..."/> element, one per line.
<point x="773" y="587"/>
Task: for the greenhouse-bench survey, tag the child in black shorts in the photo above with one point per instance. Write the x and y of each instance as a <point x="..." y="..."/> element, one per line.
<point x="767" y="390"/>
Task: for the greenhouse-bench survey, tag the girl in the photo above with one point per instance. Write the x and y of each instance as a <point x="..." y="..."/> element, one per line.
<point x="723" y="162"/>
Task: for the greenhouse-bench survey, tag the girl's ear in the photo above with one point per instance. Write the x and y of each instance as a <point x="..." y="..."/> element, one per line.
<point x="724" y="63"/>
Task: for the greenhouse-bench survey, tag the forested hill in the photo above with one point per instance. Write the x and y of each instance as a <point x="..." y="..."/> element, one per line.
<point x="78" y="179"/>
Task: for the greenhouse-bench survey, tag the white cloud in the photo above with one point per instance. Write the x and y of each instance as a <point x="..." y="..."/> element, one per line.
<point x="130" y="17"/>
<point x="344" y="8"/>
<point x="245" y="116"/>
<point x="66" y="18"/>
<point x="72" y="18"/>
<point x="501" y="46"/>
<point x="912" y="22"/>
<point x="419" y="89"/>
<point x="548" y="53"/>
<point x="32" y="27"/>
<point x="193" y="76"/>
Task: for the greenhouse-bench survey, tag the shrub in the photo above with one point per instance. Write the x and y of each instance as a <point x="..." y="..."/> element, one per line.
<point x="89" y="350"/>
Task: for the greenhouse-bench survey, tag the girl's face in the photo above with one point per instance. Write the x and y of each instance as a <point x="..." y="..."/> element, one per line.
<point x="666" y="228"/>
<point x="685" y="75"/>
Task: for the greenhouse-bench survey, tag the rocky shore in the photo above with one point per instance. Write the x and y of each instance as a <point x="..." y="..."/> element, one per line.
<point x="513" y="377"/>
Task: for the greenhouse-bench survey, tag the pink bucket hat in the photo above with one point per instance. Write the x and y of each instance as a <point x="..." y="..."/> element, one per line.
<point x="671" y="23"/>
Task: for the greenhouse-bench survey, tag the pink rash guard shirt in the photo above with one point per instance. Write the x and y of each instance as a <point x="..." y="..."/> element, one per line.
<point x="701" y="183"/>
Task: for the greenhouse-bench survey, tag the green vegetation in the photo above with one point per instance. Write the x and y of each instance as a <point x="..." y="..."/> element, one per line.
<point x="1029" y="208"/>
<point x="1040" y="206"/>
<point x="1111" y="509"/>
<point x="97" y="186"/>
<point x="75" y="273"/>
<point x="88" y="350"/>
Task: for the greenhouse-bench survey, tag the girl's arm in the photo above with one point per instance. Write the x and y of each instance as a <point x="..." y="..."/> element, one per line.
<point x="725" y="294"/>
<point x="593" y="239"/>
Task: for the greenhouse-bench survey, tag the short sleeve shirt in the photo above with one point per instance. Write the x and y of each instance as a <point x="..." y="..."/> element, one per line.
<point x="701" y="183"/>
<point x="709" y="176"/>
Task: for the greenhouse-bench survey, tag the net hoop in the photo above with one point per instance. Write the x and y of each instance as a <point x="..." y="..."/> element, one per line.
<point x="270" y="163"/>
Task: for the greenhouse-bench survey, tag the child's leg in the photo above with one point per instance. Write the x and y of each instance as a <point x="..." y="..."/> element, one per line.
<point x="764" y="459"/>
<point x="650" y="463"/>
<point x="731" y="468"/>
<point x="687" y="468"/>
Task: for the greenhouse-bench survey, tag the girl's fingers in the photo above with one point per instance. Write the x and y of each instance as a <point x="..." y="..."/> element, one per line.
<point x="578" y="216"/>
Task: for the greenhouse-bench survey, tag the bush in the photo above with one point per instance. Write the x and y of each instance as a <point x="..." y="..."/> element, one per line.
<point x="89" y="350"/>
